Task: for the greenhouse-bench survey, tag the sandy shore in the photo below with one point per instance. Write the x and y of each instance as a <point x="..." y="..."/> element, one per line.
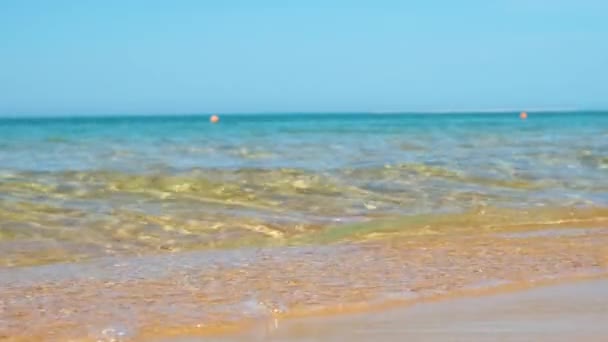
<point x="567" y="312"/>
<point x="205" y="293"/>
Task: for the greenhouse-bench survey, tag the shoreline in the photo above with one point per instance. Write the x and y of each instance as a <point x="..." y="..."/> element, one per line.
<point x="289" y="326"/>
<point x="218" y="295"/>
<point x="251" y="329"/>
<point x="514" y="311"/>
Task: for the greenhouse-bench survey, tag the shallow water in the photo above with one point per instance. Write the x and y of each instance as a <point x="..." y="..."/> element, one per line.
<point x="157" y="222"/>
<point x="79" y="188"/>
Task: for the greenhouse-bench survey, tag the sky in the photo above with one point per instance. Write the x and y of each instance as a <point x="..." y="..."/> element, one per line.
<point x="85" y="57"/>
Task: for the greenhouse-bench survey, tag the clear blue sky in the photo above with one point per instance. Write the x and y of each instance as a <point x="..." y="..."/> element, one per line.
<point x="146" y="56"/>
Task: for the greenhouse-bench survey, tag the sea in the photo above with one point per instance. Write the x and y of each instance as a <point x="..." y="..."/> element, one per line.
<point x="142" y="227"/>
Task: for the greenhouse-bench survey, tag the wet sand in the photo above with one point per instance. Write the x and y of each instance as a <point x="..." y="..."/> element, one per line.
<point x="204" y="293"/>
<point x="565" y="312"/>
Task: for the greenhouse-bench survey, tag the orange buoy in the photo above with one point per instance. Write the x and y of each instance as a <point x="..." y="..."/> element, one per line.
<point x="523" y="115"/>
<point x="214" y="119"/>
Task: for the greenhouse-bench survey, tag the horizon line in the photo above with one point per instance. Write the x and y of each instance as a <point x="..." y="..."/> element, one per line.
<point x="253" y="113"/>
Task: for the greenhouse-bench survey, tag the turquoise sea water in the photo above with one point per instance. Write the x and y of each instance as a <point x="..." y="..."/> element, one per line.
<point x="86" y="187"/>
<point x="145" y="228"/>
